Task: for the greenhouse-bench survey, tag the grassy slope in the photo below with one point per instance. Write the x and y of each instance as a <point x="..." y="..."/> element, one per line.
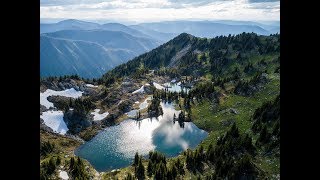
<point x="64" y="147"/>
<point x="208" y="118"/>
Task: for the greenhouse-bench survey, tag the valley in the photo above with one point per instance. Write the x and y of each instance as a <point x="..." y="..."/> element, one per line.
<point x="191" y="108"/>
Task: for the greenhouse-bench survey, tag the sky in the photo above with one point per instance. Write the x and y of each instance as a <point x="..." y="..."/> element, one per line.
<point x="160" y="10"/>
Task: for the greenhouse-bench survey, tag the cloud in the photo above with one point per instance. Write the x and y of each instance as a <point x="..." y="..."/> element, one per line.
<point x="160" y="10"/>
<point x="259" y="1"/>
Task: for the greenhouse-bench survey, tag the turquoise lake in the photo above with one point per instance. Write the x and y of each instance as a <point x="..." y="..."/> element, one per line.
<point x="115" y="146"/>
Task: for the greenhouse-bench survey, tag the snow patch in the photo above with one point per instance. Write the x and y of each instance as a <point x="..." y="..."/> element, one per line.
<point x="144" y="104"/>
<point x="54" y="120"/>
<point x="97" y="116"/>
<point x="158" y="86"/>
<point x="91" y="85"/>
<point x="132" y="113"/>
<point x="63" y="175"/>
<point x="141" y="90"/>
<point x="49" y="92"/>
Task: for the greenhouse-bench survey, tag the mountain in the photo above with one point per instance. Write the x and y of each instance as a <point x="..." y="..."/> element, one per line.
<point x="184" y="53"/>
<point x="118" y="42"/>
<point x="123" y="28"/>
<point x="70" y="24"/>
<point x="88" y="53"/>
<point x="273" y="26"/>
<point x="73" y="24"/>
<point x="203" y="28"/>
<point x="161" y="36"/>
<point x="108" y="39"/>
<point x="87" y="59"/>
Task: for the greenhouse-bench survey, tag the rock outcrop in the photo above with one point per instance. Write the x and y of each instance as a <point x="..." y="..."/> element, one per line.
<point x="76" y="121"/>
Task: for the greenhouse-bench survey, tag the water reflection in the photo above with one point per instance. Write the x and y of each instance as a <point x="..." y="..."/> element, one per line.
<point x="115" y="146"/>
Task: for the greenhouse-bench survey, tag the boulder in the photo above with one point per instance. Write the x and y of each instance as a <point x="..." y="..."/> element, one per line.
<point x="76" y="121"/>
<point x="42" y="108"/>
<point x="125" y="105"/>
<point x="234" y="111"/>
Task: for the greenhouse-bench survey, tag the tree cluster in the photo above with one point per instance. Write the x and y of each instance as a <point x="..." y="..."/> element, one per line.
<point x="155" y="109"/>
<point x="77" y="169"/>
<point x="46" y="148"/>
<point x="266" y="123"/>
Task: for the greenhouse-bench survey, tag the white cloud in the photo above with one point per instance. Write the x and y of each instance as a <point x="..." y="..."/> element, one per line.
<point x="159" y="10"/>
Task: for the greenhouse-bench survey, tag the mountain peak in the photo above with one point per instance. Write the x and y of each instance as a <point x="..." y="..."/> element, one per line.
<point x="184" y="36"/>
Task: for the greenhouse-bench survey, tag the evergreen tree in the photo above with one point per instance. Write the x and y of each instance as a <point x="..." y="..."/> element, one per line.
<point x="140" y="170"/>
<point x="58" y="161"/>
<point x="51" y="166"/>
<point x="136" y="159"/>
<point x="264" y="136"/>
<point x="150" y="168"/>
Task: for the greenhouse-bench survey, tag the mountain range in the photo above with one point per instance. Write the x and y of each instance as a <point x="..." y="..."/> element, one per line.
<point x="90" y="49"/>
<point x="88" y="53"/>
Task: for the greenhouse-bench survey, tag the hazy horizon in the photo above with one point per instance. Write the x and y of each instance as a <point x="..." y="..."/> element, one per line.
<point x="142" y="11"/>
<point x="101" y="21"/>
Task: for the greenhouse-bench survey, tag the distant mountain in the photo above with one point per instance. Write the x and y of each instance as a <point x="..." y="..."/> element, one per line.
<point x="108" y="39"/>
<point x="203" y="28"/>
<point x="161" y="36"/>
<point x="123" y="28"/>
<point x="88" y="53"/>
<point x="87" y="59"/>
<point x="70" y="24"/>
<point x="273" y="27"/>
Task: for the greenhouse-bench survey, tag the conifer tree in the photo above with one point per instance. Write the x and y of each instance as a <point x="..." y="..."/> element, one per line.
<point x="136" y="159"/>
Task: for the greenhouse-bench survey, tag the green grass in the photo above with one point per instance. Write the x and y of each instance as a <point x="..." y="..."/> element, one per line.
<point x="209" y="118"/>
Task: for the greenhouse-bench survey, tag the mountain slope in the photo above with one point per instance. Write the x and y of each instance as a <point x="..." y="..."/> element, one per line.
<point x="88" y="53"/>
<point x="87" y="59"/>
<point x="108" y="39"/>
<point x="191" y="55"/>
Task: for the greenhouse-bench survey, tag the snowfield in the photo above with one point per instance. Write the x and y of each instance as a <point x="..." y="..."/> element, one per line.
<point x="141" y="90"/>
<point x="63" y="175"/>
<point x="49" y="92"/>
<point x="54" y="120"/>
<point x="97" y="116"/>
